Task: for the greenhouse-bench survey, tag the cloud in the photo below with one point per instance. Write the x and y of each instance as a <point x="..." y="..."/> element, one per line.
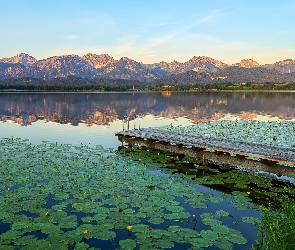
<point x="212" y="17"/>
<point x="156" y="41"/>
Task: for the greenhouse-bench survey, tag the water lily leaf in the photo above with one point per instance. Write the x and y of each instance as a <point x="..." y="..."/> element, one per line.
<point x="100" y="216"/>
<point x="220" y="229"/>
<point x="87" y="219"/>
<point x="240" y="206"/>
<point x="10" y="235"/>
<point x="21" y="225"/>
<point x="206" y="216"/>
<point x="222" y="213"/>
<point x="143" y="235"/>
<point x="235" y="236"/>
<point x="6" y="247"/>
<point x="211" y="222"/>
<point x="156" y="220"/>
<point x="216" y="199"/>
<point x="165" y="244"/>
<point x="127" y="244"/>
<point x="174" y="228"/>
<point x="250" y="220"/>
<point x="39" y="244"/>
<point x="158" y="233"/>
<point x="140" y="228"/>
<point x="4" y="214"/>
<point x="105" y="235"/>
<point x="188" y="233"/>
<point x="175" y="209"/>
<point x="201" y="242"/>
<point x="224" y="244"/>
<point x="81" y="246"/>
<point x="25" y="240"/>
<point x="209" y="234"/>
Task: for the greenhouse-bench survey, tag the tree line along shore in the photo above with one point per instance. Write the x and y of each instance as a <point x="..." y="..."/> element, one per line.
<point x="80" y="84"/>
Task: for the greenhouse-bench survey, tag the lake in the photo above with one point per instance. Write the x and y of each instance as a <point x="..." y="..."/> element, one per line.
<point x="95" y="117"/>
<point x="175" y="203"/>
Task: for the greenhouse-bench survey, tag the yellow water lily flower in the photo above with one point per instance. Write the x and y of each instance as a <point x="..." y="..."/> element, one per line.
<point x="129" y="228"/>
<point x="47" y="213"/>
<point x="248" y="192"/>
<point x="85" y="231"/>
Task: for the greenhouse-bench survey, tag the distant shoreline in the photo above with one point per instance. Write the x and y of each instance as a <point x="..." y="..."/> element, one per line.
<point x="146" y="91"/>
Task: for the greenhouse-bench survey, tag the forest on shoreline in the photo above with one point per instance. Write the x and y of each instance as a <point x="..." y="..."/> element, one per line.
<point x="102" y="85"/>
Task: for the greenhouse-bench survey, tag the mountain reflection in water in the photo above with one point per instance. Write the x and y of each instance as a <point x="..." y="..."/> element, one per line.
<point x="105" y="108"/>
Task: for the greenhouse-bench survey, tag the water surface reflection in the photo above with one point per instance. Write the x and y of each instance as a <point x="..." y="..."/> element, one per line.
<point x="105" y="108"/>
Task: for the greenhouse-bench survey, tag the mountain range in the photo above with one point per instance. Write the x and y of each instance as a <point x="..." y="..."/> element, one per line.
<point x="199" y="69"/>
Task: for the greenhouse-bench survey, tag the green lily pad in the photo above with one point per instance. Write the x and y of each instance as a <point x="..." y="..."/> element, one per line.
<point x="221" y="213"/>
<point x="235" y="236"/>
<point x="127" y="244"/>
<point x="156" y="220"/>
<point x="201" y="242"/>
<point x="174" y="228"/>
<point x="140" y="228"/>
<point x="106" y="235"/>
<point x="220" y="229"/>
<point x="81" y="246"/>
<point x="175" y="209"/>
<point x="224" y="244"/>
<point x="165" y="244"/>
<point x="209" y="234"/>
<point x="251" y="220"/>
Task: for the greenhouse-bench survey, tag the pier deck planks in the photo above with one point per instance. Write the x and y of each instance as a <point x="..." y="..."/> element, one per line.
<point x="198" y="146"/>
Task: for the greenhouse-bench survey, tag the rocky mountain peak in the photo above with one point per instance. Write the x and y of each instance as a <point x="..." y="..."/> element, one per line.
<point x="129" y="64"/>
<point x="247" y="63"/>
<point x="21" y="58"/>
<point x="63" y="66"/>
<point x="106" y="67"/>
<point x="285" y="66"/>
<point x="99" y="61"/>
<point x="203" y="63"/>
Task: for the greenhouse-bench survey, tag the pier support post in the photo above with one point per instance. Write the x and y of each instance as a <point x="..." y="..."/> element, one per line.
<point x="205" y="161"/>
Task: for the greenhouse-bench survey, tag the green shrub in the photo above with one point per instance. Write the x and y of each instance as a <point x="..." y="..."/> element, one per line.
<point x="277" y="226"/>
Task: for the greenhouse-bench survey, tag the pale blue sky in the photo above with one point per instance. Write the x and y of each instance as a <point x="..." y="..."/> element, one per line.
<point x="150" y="31"/>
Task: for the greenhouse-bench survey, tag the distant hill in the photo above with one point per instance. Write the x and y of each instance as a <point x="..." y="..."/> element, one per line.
<point x="231" y="74"/>
<point x="199" y="69"/>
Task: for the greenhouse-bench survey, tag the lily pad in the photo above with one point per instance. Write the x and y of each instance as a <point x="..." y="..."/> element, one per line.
<point x="221" y="213"/>
<point x="209" y="234"/>
<point x="127" y="244"/>
<point x="140" y="228"/>
<point x="224" y="244"/>
<point x="251" y="220"/>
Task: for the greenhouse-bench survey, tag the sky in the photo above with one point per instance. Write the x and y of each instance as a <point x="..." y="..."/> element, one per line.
<point x="150" y="31"/>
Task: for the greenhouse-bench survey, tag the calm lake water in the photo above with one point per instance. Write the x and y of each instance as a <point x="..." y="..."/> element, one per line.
<point x="94" y="118"/>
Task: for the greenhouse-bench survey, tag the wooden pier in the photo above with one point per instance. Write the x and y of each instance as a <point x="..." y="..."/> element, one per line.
<point x="218" y="151"/>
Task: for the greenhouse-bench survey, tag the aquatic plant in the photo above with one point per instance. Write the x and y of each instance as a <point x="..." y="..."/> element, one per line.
<point x="63" y="196"/>
<point x="277" y="226"/>
<point x="277" y="133"/>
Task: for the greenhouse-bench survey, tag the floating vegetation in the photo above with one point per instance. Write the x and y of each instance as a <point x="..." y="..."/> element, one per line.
<point x="276" y="133"/>
<point x="64" y="197"/>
